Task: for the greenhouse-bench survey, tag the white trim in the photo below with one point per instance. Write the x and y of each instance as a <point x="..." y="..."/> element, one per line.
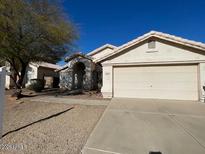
<point x="153" y="63"/>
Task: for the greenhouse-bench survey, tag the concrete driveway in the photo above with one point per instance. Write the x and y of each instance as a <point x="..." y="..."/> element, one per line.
<point x="131" y="126"/>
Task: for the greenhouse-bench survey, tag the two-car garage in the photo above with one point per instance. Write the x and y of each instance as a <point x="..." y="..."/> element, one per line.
<point x="155" y="66"/>
<point x="178" y="82"/>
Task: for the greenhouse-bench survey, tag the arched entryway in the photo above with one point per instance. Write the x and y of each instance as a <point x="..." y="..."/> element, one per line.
<point x="78" y="75"/>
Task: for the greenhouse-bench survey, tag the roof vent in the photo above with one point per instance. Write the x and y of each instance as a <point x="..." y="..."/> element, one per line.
<point x="151" y="44"/>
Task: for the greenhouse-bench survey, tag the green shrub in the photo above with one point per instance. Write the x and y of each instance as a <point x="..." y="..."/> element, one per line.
<point x="36" y="85"/>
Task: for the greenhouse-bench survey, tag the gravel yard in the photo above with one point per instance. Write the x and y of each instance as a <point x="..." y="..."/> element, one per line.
<point x="48" y="128"/>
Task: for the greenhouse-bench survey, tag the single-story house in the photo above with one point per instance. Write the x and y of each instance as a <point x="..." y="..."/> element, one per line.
<point x="155" y="65"/>
<point x="41" y="70"/>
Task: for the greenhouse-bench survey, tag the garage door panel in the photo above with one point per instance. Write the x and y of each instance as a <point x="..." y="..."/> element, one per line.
<point x="165" y="82"/>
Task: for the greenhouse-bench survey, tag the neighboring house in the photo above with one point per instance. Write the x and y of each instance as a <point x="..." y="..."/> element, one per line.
<point x="155" y="65"/>
<point x="41" y="70"/>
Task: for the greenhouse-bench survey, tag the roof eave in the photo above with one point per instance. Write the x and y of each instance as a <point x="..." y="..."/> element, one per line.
<point x="147" y="36"/>
<point x="101" y="48"/>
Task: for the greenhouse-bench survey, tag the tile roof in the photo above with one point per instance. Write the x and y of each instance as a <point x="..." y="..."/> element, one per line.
<point x="163" y="36"/>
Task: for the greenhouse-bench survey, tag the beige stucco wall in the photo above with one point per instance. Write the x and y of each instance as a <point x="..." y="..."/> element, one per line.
<point x="33" y="70"/>
<point x="107" y="82"/>
<point x="201" y="80"/>
<point x="8" y="81"/>
<point x="164" y="53"/>
<point x="32" y="73"/>
<point x="102" y="53"/>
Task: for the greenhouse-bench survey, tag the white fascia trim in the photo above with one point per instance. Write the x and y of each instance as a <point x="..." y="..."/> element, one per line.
<point x="153" y="63"/>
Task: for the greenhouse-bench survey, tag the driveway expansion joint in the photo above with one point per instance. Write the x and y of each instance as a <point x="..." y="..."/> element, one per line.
<point x="179" y="124"/>
<point x="100" y="150"/>
<point x="147" y="113"/>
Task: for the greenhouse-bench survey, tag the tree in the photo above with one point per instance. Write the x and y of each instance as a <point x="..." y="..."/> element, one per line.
<point x="33" y="31"/>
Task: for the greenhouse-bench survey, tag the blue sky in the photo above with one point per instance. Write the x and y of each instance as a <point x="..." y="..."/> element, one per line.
<point x="118" y="21"/>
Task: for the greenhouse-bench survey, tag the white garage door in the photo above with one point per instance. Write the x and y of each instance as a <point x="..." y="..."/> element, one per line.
<point x="163" y="82"/>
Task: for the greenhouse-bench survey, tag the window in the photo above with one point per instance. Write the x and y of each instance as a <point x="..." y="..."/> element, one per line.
<point x="151" y="44"/>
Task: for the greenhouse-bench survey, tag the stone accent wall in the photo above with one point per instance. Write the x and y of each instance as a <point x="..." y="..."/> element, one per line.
<point x="67" y="75"/>
<point x="66" y="79"/>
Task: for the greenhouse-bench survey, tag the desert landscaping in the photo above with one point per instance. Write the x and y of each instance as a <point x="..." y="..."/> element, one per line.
<point x="40" y="127"/>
